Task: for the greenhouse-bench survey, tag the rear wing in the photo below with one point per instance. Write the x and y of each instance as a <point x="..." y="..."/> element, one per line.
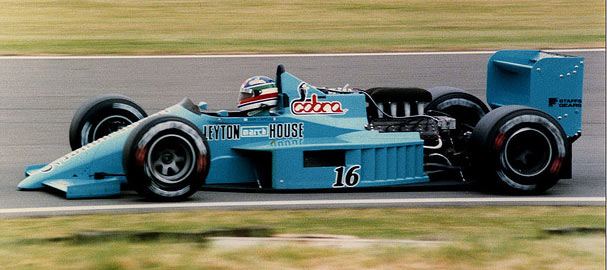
<point x="547" y="81"/>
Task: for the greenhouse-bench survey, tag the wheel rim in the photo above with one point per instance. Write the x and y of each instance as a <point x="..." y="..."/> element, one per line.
<point x="527" y="152"/>
<point x="170" y="159"/>
<point x="110" y="124"/>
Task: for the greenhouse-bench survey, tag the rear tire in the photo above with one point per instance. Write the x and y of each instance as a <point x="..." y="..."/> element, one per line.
<point x="518" y="150"/>
<point x="466" y="108"/>
<point x="102" y="115"/>
<point x="166" y="158"/>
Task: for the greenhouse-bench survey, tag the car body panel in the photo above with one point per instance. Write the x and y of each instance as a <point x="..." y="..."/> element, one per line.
<point x="547" y="81"/>
<point x="314" y="139"/>
<point x="282" y="137"/>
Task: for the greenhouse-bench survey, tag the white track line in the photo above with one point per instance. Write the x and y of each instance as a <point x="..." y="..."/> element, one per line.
<point x="303" y="203"/>
<point x="202" y="56"/>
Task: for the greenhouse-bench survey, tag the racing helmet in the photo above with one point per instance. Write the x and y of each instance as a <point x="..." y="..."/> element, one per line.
<point x="257" y="92"/>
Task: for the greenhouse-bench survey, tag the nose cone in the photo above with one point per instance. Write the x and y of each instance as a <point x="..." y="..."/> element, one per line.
<point x="35" y="175"/>
<point x="33" y="181"/>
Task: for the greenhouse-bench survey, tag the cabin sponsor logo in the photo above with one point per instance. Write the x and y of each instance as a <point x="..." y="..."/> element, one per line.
<point x="311" y="106"/>
<point x="286" y="130"/>
<point x="236" y="131"/>
<point x="254" y="131"/>
<point x="221" y="132"/>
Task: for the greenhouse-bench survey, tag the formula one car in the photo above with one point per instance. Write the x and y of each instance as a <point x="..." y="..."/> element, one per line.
<point x="305" y="137"/>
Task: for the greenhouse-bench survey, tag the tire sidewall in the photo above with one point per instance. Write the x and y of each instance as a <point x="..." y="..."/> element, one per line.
<point x="488" y="157"/>
<point x="447" y="97"/>
<point x="137" y="152"/>
<point x="89" y="116"/>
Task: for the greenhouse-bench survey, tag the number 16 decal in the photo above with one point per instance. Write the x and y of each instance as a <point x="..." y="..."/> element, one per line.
<point x="350" y="179"/>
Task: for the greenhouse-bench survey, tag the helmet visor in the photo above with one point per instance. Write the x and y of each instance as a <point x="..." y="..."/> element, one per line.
<point x="244" y="96"/>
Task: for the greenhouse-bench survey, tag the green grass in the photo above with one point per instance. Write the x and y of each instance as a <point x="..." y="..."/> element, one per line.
<point x="477" y="238"/>
<point x="186" y="27"/>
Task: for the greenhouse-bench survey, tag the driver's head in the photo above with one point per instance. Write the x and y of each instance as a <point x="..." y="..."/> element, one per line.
<point x="257" y="92"/>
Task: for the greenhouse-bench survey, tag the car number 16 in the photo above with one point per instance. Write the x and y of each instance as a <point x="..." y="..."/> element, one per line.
<point x="350" y="179"/>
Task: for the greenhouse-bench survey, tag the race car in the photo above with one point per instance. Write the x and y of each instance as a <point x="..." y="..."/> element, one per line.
<point x="290" y="135"/>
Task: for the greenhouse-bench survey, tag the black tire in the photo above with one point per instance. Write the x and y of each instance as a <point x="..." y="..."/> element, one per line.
<point x="518" y="150"/>
<point x="102" y="115"/>
<point x="166" y="158"/>
<point x="466" y="108"/>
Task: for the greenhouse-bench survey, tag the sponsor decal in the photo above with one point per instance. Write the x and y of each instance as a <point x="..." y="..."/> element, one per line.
<point x="256" y="82"/>
<point x="47" y="168"/>
<point x="564" y="102"/>
<point x="286" y="130"/>
<point x="254" y="131"/>
<point x="221" y="132"/>
<point x="260" y="119"/>
<point x="286" y="142"/>
<point x="311" y="106"/>
<point x="236" y="131"/>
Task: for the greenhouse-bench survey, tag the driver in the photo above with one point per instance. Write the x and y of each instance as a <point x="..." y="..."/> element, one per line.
<point x="257" y="94"/>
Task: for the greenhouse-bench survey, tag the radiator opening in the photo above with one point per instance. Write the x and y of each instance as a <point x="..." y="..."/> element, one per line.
<point x="324" y="158"/>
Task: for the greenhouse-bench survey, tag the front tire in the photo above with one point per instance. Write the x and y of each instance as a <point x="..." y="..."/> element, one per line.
<point x="102" y="115"/>
<point x="518" y="150"/>
<point x="166" y="158"/>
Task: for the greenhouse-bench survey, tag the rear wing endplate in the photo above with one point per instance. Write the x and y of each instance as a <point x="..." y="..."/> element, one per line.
<point x="547" y="81"/>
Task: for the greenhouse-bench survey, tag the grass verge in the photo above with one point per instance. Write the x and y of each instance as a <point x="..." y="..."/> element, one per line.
<point x="478" y="238"/>
<point x="187" y="27"/>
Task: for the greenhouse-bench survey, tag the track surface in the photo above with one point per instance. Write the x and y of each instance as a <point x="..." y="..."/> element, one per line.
<point x="38" y="97"/>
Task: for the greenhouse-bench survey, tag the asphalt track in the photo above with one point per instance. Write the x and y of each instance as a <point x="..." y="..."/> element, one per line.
<point x="38" y="96"/>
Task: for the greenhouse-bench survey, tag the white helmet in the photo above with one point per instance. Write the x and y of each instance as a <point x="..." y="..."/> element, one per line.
<point x="257" y="92"/>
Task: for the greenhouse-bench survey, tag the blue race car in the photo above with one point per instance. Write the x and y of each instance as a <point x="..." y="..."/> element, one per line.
<point x="288" y="134"/>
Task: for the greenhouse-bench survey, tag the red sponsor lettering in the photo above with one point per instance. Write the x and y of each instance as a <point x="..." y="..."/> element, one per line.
<point x="313" y="106"/>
